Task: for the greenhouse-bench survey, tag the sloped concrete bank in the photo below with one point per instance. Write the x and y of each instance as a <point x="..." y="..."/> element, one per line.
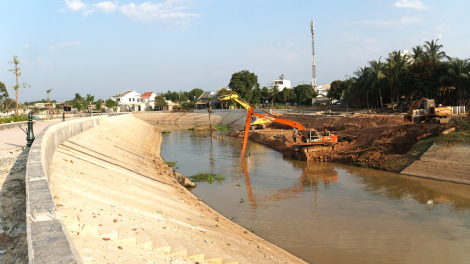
<point x="444" y="163"/>
<point x="47" y="237"/>
<point x="235" y="118"/>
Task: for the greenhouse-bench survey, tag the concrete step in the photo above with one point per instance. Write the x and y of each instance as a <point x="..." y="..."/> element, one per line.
<point x="210" y="256"/>
<point x="176" y="248"/>
<point x="159" y="243"/>
<point x="194" y="252"/>
<point x="143" y="241"/>
<point x="106" y="229"/>
<point x="126" y="235"/>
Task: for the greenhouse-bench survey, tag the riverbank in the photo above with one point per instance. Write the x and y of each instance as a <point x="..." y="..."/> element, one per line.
<point x="122" y="203"/>
<point x="381" y="142"/>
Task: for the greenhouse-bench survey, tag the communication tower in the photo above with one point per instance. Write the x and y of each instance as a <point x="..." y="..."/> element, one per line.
<point x="314" y="68"/>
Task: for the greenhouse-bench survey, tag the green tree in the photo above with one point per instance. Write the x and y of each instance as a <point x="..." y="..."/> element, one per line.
<point x="287" y="95"/>
<point x="110" y="103"/>
<point x="335" y="90"/>
<point x="395" y="66"/>
<point x="243" y="83"/>
<point x="457" y="75"/>
<point x="273" y="94"/>
<point x="3" y="93"/>
<point x="418" y="54"/>
<point x="48" y="97"/>
<point x="195" y="93"/>
<point x="303" y="93"/>
<point x="160" y="102"/>
<point x="265" y="92"/>
<point x="98" y="104"/>
<point x="376" y="77"/>
<point x="361" y="82"/>
<point x="256" y="96"/>
<point x="433" y="51"/>
<point x="17" y="72"/>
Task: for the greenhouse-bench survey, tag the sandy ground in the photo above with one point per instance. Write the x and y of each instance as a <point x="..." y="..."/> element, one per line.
<point x="122" y="204"/>
<point x="13" y="246"/>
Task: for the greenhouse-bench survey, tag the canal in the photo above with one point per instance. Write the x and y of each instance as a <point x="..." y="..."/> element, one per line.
<point x="323" y="212"/>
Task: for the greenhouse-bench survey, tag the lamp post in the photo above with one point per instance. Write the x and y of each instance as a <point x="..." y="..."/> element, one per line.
<point x="30" y="133"/>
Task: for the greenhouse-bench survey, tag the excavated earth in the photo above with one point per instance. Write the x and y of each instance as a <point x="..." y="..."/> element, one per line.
<point x="382" y="142"/>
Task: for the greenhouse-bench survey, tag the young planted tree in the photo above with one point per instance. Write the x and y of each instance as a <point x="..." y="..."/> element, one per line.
<point x="48" y="95"/>
<point x="17" y="72"/>
<point x="98" y="105"/>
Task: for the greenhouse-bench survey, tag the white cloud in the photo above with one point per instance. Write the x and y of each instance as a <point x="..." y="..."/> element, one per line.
<point x="171" y="10"/>
<point x="403" y="22"/>
<point x="410" y="4"/>
<point x="38" y="61"/>
<point x="106" y="7"/>
<point x="74" y="5"/>
<point x="66" y="44"/>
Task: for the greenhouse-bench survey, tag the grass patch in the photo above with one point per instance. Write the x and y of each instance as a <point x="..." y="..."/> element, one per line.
<point x="421" y="146"/>
<point x="207" y="177"/>
<point x="461" y="136"/>
<point x="171" y="163"/>
<point x="13" y="118"/>
<point x="166" y="131"/>
<point x="222" y="127"/>
<point x="191" y="128"/>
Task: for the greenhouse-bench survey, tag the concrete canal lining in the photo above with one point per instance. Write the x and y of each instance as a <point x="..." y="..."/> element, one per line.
<point x="48" y="239"/>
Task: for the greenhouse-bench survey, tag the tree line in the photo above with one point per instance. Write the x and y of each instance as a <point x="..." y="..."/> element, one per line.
<point x="403" y="77"/>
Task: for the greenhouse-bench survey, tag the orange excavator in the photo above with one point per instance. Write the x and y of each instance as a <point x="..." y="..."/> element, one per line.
<point x="310" y="140"/>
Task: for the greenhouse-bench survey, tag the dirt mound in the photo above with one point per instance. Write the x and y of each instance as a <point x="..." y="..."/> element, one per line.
<point x="352" y="122"/>
<point x="380" y="142"/>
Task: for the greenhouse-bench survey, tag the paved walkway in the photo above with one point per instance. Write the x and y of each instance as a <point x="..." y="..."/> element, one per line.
<point x="16" y="138"/>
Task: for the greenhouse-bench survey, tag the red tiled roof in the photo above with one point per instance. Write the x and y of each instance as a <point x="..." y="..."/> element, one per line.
<point x="146" y="95"/>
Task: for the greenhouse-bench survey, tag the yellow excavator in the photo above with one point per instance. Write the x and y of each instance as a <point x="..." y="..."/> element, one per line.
<point x="256" y="122"/>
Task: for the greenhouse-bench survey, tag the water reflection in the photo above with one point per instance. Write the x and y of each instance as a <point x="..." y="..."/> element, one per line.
<point x="328" y="213"/>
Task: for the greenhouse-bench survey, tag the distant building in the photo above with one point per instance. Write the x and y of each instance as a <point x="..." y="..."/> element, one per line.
<point x="322" y="95"/>
<point x="148" y="97"/>
<point x="281" y="84"/>
<point x="128" y="98"/>
<point x="204" y="99"/>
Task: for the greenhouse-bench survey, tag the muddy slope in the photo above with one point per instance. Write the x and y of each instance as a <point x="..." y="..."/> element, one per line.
<point x="381" y="142"/>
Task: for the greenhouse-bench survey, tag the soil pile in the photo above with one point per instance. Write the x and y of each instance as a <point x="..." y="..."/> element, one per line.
<point x="381" y="142"/>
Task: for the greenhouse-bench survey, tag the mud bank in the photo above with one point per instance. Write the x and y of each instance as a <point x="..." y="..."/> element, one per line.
<point x="381" y="142"/>
<point x="121" y="203"/>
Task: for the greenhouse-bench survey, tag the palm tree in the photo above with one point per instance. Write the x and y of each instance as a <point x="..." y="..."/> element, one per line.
<point x="432" y="51"/>
<point x="396" y="64"/>
<point x="49" y="98"/>
<point x="376" y="77"/>
<point x="458" y="76"/>
<point x="361" y="81"/>
<point x="418" y="54"/>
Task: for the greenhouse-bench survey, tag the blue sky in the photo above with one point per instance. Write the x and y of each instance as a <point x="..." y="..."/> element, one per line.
<point x="106" y="47"/>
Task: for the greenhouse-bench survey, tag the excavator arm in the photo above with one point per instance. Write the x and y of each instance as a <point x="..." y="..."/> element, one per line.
<point x="258" y="121"/>
<point x="409" y="114"/>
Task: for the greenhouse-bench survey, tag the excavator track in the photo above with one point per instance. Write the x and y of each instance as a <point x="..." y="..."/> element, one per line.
<point x="316" y="148"/>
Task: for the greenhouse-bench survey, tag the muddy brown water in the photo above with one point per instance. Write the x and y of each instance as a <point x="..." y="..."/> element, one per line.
<point x="327" y="213"/>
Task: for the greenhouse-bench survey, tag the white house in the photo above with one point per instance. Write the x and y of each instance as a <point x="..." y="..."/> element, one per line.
<point x="128" y="98"/>
<point x="281" y="83"/>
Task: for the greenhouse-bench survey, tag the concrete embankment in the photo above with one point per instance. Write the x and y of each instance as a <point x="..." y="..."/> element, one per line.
<point x="441" y="162"/>
<point x="235" y="118"/>
<point x="121" y="203"/>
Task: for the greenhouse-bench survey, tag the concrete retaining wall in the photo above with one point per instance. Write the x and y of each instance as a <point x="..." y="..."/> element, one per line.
<point x="13" y="125"/>
<point x="48" y="239"/>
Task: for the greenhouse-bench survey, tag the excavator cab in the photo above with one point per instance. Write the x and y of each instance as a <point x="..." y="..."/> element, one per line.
<point x="310" y="136"/>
